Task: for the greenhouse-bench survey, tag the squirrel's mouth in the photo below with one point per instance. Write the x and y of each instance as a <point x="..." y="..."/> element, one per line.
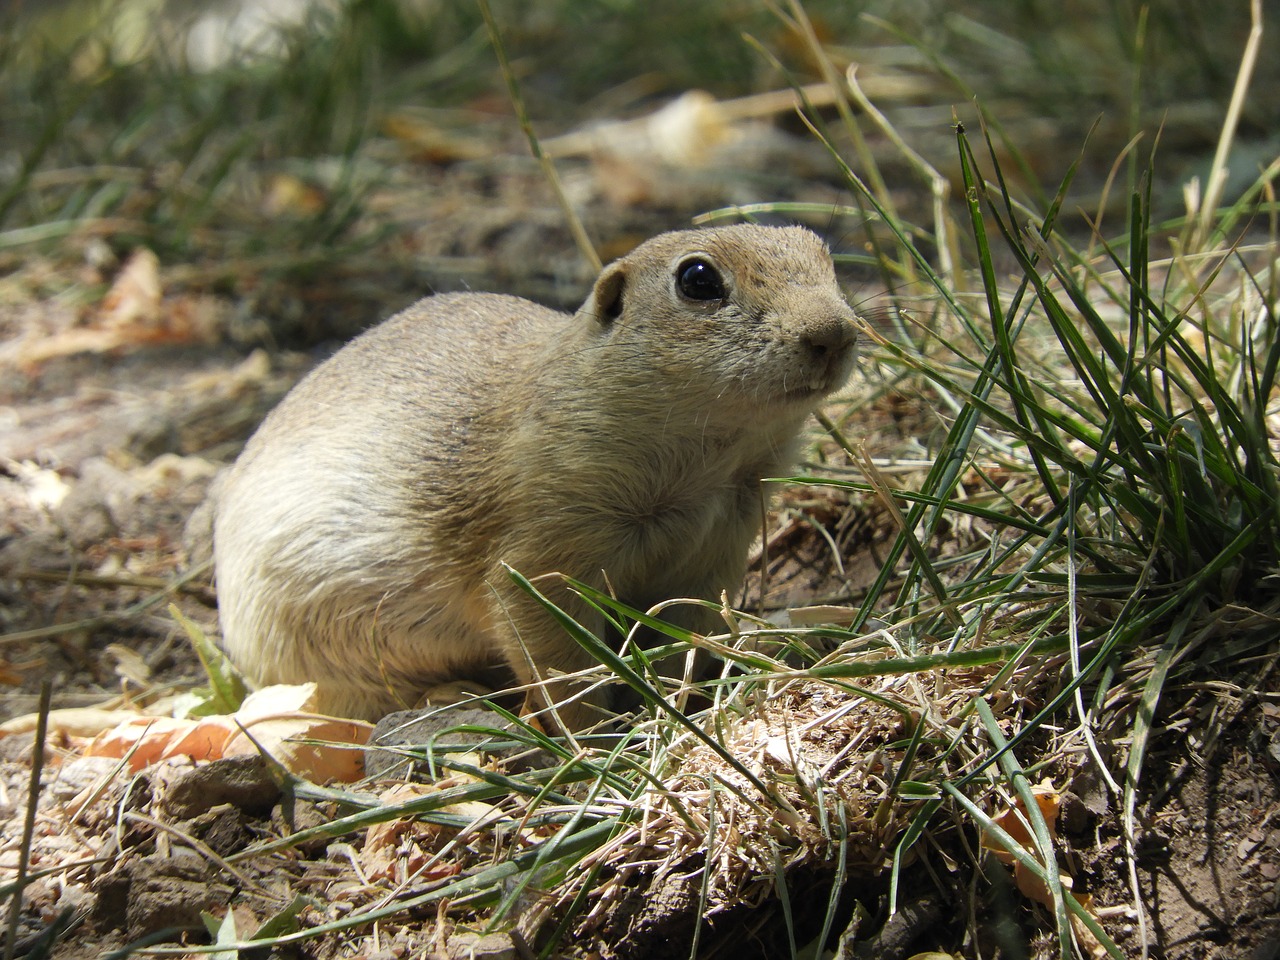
<point x="813" y="392"/>
<point x="829" y="376"/>
<point x="789" y="391"/>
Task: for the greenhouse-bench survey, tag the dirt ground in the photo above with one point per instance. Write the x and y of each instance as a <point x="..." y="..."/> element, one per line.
<point x="104" y="455"/>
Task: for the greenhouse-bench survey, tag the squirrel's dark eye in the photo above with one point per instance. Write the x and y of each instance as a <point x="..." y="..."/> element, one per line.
<point x="699" y="280"/>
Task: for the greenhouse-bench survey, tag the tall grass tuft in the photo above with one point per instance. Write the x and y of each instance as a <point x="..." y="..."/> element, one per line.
<point x="1112" y="424"/>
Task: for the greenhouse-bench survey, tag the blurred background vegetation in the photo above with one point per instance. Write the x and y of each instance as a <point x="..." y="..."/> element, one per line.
<point x="253" y="147"/>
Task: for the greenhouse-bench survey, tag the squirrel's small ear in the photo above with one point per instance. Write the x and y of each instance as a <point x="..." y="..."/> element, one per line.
<point x="605" y="303"/>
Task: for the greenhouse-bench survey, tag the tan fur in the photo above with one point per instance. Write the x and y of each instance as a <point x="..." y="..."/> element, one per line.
<point x="360" y="536"/>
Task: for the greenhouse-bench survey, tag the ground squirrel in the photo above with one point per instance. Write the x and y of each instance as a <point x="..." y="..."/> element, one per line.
<point x="360" y="537"/>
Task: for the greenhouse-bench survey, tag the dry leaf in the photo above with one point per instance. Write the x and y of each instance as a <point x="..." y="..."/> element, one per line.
<point x="390" y="850"/>
<point x="133" y="313"/>
<point x="1015" y="823"/>
<point x="821" y="615"/>
<point x="29" y="353"/>
<point x="398" y="849"/>
<point x="287" y="195"/>
<point x="277" y="720"/>
<point x="430" y="143"/>
<point x="280" y="718"/>
<point x="1085" y="939"/>
<point x="135" y="297"/>
<point x="683" y="133"/>
<point x="9" y="677"/>
<point x="129" y="664"/>
<point x="206" y="739"/>
<point x="71" y="721"/>
<point x="144" y="740"/>
<point x="277" y="699"/>
<point x="318" y="749"/>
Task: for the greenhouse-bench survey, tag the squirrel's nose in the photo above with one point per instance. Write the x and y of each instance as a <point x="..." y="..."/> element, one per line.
<point x="829" y="335"/>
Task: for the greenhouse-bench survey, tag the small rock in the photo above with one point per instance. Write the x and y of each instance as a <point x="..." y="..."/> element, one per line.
<point x="155" y="892"/>
<point x="292" y="815"/>
<point x="78" y="774"/>
<point x="90" y="512"/>
<point x="242" y="782"/>
<point x="223" y="829"/>
<point x="1076" y="817"/>
<point x="17" y="747"/>
<point x="464" y="945"/>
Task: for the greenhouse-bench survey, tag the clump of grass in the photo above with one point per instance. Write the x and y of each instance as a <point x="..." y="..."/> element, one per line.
<point x="1112" y="427"/>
